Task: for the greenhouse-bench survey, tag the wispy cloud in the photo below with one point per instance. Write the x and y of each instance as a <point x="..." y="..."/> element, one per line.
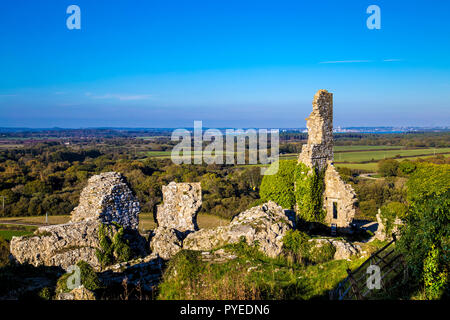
<point x="121" y="97"/>
<point x="359" y="61"/>
<point x="346" y="61"/>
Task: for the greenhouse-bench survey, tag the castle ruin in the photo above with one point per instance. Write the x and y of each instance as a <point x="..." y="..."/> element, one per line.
<point x="339" y="198"/>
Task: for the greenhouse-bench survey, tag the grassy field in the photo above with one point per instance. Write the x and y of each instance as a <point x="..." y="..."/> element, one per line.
<point x="146" y="222"/>
<point x="366" y="157"/>
<point x="364" y="148"/>
<point x="37" y="220"/>
<point x="371" y="166"/>
<point x="361" y="156"/>
<point x="11" y="146"/>
<point x="8" y="231"/>
<point x="250" y="275"/>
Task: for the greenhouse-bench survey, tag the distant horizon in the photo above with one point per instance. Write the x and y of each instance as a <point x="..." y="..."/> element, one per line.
<point x="253" y="63"/>
<point x="226" y="127"/>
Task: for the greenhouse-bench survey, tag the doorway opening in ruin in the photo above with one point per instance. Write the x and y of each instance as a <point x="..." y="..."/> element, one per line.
<point x="335" y="211"/>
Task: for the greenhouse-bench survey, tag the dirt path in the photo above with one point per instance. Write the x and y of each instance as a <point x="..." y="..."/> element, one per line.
<point x="369" y="176"/>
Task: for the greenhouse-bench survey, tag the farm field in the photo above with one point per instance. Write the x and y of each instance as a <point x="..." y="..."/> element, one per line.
<point x="206" y="221"/>
<point x="9" y="231"/>
<point x="364" y="148"/>
<point x="17" y="226"/>
<point x="366" y="158"/>
<point x="360" y="156"/>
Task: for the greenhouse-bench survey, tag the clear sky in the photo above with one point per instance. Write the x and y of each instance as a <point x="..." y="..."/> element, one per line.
<point x="230" y="63"/>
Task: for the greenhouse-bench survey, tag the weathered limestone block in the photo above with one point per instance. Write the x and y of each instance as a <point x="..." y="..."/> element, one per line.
<point x="181" y="204"/>
<point x="344" y="249"/>
<point x="107" y="198"/>
<point x="266" y="224"/>
<point x="339" y="199"/>
<point x="319" y="148"/>
<point x="166" y="242"/>
<point x="59" y="245"/>
<point x="145" y="272"/>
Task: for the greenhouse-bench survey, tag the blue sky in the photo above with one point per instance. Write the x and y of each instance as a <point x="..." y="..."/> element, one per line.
<point x="229" y="63"/>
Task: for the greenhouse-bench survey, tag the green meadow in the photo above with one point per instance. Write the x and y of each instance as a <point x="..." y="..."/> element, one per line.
<point x="354" y="156"/>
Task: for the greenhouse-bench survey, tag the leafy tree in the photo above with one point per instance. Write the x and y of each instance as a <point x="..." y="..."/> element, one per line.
<point x="427" y="223"/>
<point x="388" y="168"/>
<point x="406" y="167"/>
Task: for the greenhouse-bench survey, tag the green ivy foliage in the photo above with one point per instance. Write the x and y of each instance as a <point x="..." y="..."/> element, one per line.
<point x="280" y="186"/>
<point x="309" y="188"/>
<point x="390" y="211"/>
<point x="112" y="250"/>
<point x="296" y="184"/>
<point x="88" y="278"/>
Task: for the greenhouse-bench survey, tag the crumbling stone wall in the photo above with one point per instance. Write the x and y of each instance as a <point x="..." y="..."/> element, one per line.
<point x="108" y="198"/>
<point x="266" y="224"/>
<point x="176" y="217"/>
<point x="339" y="198"/>
<point x="104" y="200"/>
<point x="177" y="224"/>
<point x="180" y="206"/>
<point x="319" y="148"/>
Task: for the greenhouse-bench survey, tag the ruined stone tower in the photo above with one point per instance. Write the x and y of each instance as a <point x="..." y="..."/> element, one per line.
<point x="339" y="198"/>
<point x="320" y="132"/>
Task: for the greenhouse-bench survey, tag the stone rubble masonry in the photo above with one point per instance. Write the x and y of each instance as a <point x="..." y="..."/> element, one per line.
<point x="108" y="198"/>
<point x="266" y="224"/>
<point x="145" y="272"/>
<point x="181" y="204"/>
<point x="176" y="217"/>
<point x="336" y="190"/>
<point x="59" y="245"/>
<point x="319" y="148"/>
<point x="339" y="198"/>
<point x="105" y="199"/>
<point x="166" y="242"/>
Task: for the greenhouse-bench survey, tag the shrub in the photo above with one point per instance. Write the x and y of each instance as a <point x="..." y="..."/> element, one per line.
<point x="4" y="252"/>
<point x="435" y="274"/>
<point x="321" y="254"/>
<point x="88" y="278"/>
<point x="280" y="186"/>
<point x="296" y="246"/>
<point x="389" y="212"/>
<point x="388" y="168"/>
<point x="113" y="250"/>
<point x="406" y="167"/>
<point x="46" y="293"/>
<point x="427" y="226"/>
